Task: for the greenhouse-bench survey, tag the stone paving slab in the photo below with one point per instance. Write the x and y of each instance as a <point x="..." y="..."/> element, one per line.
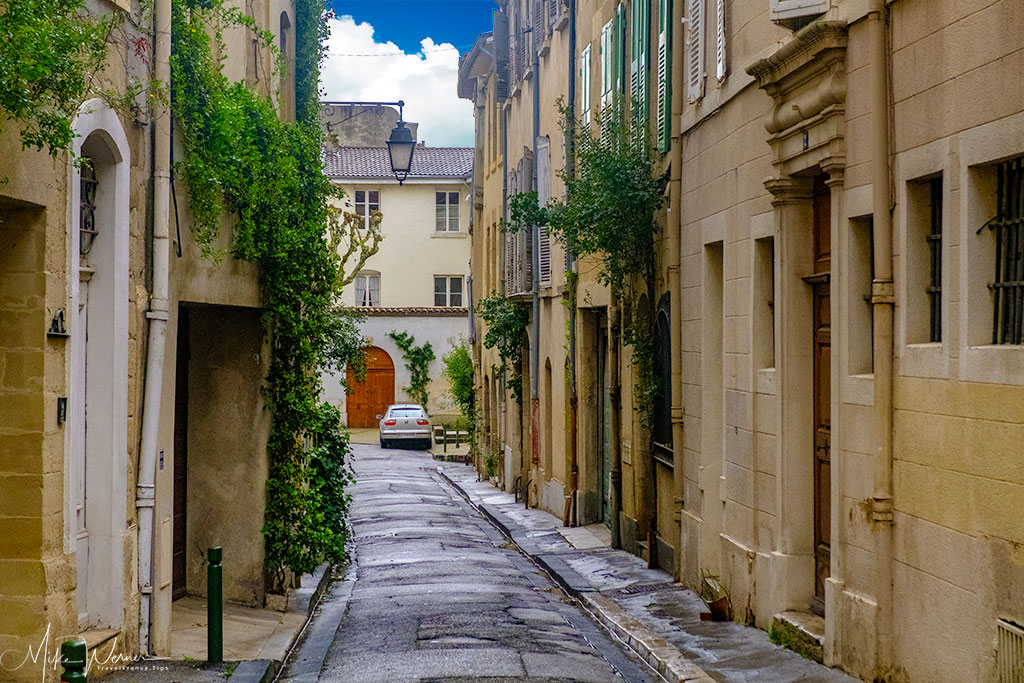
<point x="662" y="625"/>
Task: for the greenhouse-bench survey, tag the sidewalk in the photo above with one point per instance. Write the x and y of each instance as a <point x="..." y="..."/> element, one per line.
<point x="256" y="641"/>
<point x="657" y="618"/>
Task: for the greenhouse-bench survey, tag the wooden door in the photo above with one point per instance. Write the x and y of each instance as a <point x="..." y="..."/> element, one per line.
<point x="822" y="345"/>
<point x="371" y="397"/>
<point x="178" y="587"/>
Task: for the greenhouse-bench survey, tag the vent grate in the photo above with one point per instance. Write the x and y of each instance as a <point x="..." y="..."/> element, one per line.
<point x="638" y="589"/>
<point x="1010" y="652"/>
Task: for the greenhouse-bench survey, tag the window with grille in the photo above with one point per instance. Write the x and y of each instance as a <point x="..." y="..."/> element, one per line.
<point x="447" y="212"/>
<point x="368" y="289"/>
<point x="1008" y="225"/>
<point x="367" y="201"/>
<point x="448" y="290"/>
<point x="934" y="240"/>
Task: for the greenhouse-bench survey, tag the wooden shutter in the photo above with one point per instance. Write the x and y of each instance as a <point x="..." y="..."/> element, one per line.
<point x="695" y="50"/>
<point x="543" y="196"/>
<point x="499" y="22"/>
<point x="538" y="26"/>
<point x="664" y="75"/>
<point x="585" y="85"/>
<point x="606" y="65"/>
<point x="620" y="49"/>
<point x="553" y="7"/>
<point x="720" y="32"/>
<point x="641" y="29"/>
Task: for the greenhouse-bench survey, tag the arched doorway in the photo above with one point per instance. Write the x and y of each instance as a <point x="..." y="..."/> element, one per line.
<point x="365" y="400"/>
<point x="97" y="438"/>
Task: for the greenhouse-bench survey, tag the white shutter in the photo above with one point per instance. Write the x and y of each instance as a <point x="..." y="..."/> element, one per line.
<point x="585" y="85"/>
<point x="695" y="51"/>
<point x="543" y="196"/>
<point x="663" y="105"/>
<point x="794" y="13"/>
<point x="720" y="55"/>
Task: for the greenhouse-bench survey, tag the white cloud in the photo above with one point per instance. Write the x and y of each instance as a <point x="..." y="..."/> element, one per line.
<point x="427" y="82"/>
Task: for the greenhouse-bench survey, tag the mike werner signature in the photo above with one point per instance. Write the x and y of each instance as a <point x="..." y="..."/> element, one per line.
<point x="47" y="655"/>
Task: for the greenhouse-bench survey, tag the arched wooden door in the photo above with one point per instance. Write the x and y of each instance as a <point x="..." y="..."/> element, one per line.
<point x="368" y="399"/>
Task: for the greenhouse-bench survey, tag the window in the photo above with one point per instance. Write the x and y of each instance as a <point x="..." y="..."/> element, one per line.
<point x="934" y="241"/>
<point x="367" y="201"/>
<point x="368" y="289"/>
<point x="585" y="85"/>
<point x="447" y="290"/>
<point x="447" y="219"/>
<point x="1008" y="226"/>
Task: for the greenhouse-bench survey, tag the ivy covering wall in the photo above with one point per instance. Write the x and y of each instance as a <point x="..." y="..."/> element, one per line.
<point x="242" y="159"/>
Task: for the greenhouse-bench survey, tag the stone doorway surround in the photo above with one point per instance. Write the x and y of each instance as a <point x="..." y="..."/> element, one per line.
<point x="806" y="127"/>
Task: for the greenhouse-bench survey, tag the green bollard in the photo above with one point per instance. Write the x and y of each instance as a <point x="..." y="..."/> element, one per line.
<point x="214" y="607"/>
<point x="73" y="657"/>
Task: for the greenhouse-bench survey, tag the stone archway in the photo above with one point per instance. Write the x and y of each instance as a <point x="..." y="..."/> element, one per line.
<point x="371" y="397"/>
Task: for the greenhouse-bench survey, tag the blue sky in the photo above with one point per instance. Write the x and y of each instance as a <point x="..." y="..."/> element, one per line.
<point x="388" y="50"/>
<point x="407" y="22"/>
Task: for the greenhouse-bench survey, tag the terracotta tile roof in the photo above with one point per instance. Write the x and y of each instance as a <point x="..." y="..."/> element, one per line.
<point x="373" y="162"/>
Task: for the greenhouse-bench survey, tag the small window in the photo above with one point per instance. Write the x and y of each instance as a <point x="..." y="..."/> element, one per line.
<point x="447" y="215"/>
<point x="1008" y="226"/>
<point x="448" y="290"/>
<point x="367" y="201"/>
<point x="368" y="289"/>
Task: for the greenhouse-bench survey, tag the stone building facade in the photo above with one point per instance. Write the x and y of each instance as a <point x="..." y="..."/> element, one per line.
<point x="846" y="462"/>
<point x="85" y="495"/>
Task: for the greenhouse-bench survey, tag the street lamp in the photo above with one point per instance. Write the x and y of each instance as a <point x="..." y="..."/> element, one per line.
<point x="401" y="144"/>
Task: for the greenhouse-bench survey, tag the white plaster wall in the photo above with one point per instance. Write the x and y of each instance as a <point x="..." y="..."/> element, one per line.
<point x="412" y="251"/>
<point x="438" y="331"/>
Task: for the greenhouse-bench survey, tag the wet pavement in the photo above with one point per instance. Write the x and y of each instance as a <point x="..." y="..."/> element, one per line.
<point x="438" y="593"/>
<point x="659" y="619"/>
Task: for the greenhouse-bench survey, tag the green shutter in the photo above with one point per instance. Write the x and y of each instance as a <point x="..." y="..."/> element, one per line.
<point x="664" y="74"/>
<point x="641" y="30"/>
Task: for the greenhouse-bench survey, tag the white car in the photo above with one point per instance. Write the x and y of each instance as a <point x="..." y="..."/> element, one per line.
<point x="406" y="425"/>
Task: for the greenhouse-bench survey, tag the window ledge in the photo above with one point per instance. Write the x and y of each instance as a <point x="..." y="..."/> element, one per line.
<point x="449" y="235"/>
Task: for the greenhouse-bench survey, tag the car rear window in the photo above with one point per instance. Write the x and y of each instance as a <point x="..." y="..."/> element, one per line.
<point x="407" y="412"/>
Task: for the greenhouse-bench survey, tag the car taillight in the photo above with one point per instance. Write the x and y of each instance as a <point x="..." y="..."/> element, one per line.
<point x="421" y="421"/>
<point x="390" y="422"/>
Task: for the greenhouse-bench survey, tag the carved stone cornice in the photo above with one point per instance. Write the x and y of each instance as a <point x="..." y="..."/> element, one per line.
<point x="811" y="43"/>
<point x="790" y="190"/>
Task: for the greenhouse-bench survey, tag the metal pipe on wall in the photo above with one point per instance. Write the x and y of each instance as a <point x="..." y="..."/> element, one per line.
<point x="615" y="398"/>
<point x="573" y="517"/>
<point x="535" y="264"/>
<point x="883" y="303"/>
<point x="673" y="232"/>
<point x="157" y="316"/>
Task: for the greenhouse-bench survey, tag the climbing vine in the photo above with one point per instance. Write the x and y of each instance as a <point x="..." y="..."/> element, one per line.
<point x="417" y="362"/>
<point x="458" y="369"/>
<point x="266" y="173"/>
<point x="506" y="328"/>
<point x="49" y="49"/>
<point x="609" y="212"/>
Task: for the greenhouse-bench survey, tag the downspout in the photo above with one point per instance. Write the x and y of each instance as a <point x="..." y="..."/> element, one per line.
<point x="503" y="412"/>
<point x="673" y="232"/>
<point x="157" y="315"/>
<point x="882" y="300"/>
<point x="535" y="263"/>
<point x="614" y="395"/>
<point x="573" y="517"/>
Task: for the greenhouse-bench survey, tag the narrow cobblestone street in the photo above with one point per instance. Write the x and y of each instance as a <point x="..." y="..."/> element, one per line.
<point x="439" y="594"/>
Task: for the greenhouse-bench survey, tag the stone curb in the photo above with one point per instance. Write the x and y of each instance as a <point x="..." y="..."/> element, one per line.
<point x="304" y="663"/>
<point x="659" y="654"/>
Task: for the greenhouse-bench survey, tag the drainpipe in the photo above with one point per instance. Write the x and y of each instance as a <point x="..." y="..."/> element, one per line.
<point x="883" y="302"/>
<point x="573" y="518"/>
<point x="673" y="232"/>
<point x="535" y="260"/>
<point x="157" y="315"/>
<point x="503" y="411"/>
<point x="614" y="394"/>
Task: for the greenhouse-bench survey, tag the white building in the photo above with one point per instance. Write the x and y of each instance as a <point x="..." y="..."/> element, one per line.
<point x="418" y="281"/>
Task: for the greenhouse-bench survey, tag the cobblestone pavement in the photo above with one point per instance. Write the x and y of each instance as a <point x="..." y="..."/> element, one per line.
<point x="437" y="593"/>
